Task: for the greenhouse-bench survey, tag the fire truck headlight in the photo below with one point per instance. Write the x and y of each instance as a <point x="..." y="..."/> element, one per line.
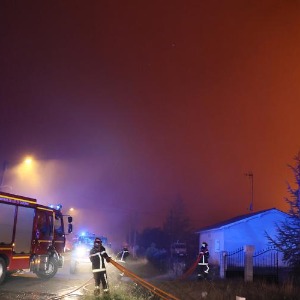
<point x="81" y="251"/>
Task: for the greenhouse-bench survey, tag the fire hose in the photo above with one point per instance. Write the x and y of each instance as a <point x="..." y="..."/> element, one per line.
<point x="67" y="294"/>
<point x="155" y="290"/>
<point x="191" y="269"/>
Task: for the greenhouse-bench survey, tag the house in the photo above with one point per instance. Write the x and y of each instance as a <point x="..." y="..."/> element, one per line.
<point x="248" y="229"/>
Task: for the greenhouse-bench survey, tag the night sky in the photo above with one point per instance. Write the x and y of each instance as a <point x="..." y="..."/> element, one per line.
<point x="129" y="105"/>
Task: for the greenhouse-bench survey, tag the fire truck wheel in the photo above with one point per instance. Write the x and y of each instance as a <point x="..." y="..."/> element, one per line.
<point x="2" y="269"/>
<point x="52" y="270"/>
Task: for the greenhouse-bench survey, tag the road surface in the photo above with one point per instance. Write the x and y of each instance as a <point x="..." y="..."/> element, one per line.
<point x="26" y="285"/>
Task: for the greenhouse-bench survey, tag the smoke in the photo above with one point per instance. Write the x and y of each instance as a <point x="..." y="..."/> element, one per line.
<point x="105" y="199"/>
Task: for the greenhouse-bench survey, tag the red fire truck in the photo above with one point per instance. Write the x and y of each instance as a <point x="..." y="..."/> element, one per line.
<point x="32" y="236"/>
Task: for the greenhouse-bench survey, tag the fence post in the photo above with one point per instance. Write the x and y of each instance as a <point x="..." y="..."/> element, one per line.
<point x="248" y="268"/>
<point x="223" y="264"/>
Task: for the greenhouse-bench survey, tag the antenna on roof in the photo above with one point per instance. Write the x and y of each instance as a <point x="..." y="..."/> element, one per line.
<point x="250" y="175"/>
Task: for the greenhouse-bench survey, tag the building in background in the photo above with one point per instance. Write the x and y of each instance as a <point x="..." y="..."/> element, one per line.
<point x="249" y="229"/>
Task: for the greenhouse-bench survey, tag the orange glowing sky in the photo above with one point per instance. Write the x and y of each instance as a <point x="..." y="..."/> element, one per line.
<point x="130" y="104"/>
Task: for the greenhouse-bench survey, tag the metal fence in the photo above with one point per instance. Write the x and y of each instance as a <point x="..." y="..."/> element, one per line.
<point x="265" y="264"/>
<point x="234" y="262"/>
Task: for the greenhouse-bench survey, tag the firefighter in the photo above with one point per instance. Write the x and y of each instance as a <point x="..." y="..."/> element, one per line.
<point x="97" y="256"/>
<point x="122" y="256"/>
<point x="203" y="256"/>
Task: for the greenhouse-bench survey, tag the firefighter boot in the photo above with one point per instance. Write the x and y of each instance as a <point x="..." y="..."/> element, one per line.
<point x="97" y="291"/>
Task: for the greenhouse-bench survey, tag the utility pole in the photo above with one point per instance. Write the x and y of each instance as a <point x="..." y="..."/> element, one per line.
<point x="250" y="175"/>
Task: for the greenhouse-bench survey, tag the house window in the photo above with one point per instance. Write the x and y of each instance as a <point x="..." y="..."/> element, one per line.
<point x="217" y="245"/>
<point x="7" y="216"/>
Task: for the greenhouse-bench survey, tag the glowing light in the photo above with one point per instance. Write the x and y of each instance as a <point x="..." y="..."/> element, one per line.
<point x="81" y="251"/>
<point x="28" y="160"/>
<point x="27" y="165"/>
<point x="56" y="206"/>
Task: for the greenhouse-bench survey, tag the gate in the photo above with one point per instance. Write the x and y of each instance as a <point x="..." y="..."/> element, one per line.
<point x="234" y="262"/>
<point x="265" y="265"/>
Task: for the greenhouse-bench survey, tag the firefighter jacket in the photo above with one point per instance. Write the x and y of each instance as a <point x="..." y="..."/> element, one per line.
<point x="98" y="256"/>
<point x="121" y="256"/>
<point x="203" y="255"/>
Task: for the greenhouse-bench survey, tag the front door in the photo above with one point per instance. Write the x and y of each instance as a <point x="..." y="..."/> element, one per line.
<point x="43" y="230"/>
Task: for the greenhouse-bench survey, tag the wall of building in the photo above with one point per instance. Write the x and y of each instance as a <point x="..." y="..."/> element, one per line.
<point x="250" y="231"/>
<point x="215" y="240"/>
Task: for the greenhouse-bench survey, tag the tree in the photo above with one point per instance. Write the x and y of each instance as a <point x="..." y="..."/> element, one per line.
<point x="150" y="236"/>
<point x="177" y="225"/>
<point x="287" y="238"/>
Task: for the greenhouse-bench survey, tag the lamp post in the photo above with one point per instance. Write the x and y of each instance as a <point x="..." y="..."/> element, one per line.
<point x="27" y="162"/>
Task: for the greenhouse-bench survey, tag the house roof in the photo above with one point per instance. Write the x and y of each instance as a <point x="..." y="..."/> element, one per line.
<point x="237" y="219"/>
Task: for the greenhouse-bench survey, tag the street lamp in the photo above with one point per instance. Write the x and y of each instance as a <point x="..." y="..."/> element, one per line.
<point x="28" y="160"/>
<point x="71" y="211"/>
<point x="20" y="168"/>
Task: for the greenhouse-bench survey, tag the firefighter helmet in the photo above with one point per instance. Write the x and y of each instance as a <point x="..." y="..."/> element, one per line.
<point x="97" y="241"/>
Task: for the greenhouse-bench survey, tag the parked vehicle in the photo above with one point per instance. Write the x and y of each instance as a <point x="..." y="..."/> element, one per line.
<point x="32" y="236"/>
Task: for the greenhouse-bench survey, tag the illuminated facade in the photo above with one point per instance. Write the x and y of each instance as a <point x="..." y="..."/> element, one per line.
<point x="249" y="229"/>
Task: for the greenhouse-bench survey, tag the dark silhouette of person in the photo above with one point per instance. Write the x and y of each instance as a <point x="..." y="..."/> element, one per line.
<point x="203" y="257"/>
<point x="98" y="256"/>
<point x="122" y="256"/>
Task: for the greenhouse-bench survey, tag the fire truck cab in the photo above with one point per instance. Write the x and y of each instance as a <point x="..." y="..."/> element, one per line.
<point x="32" y="236"/>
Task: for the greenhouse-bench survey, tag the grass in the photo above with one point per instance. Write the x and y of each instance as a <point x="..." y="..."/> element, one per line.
<point x="191" y="289"/>
<point x="229" y="289"/>
<point x="217" y="290"/>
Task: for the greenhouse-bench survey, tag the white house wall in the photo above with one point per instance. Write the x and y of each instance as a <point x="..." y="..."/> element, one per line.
<point x="250" y="231"/>
<point x="215" y="241"/>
